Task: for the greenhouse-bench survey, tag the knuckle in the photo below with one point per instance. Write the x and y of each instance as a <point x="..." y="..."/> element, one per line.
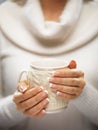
<point x="38" y="108"/>
<point x="69" y="90"/>
<point x="83" y="83"/>
<point x="36" y="99"/>
<point x="73" y="81"/>
<point x="35" y="110"/>
<point x="74" y="73"/>
<point x="63" y="72"/>
<point x="39" y="97"/>
<point x="81" y="73"/>
<point x="73" y="90"/>
<point x="24" y="105"/>
<point x="79" y="82"/>
<point x="23" y="97"/>
<point x="44" y="103"/>
<point x="62" y="88"/>
<point x="58" y="80"/>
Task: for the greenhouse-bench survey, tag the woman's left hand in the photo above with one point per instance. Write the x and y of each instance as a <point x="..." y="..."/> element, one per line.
<point x="68" y="83"/>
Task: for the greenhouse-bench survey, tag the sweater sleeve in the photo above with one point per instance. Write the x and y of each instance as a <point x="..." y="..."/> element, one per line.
<point x="9" y="116"/>
<point x="87" y="103"/>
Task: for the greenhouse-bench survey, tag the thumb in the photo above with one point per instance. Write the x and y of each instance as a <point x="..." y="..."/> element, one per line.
<point x="72" y="64"/>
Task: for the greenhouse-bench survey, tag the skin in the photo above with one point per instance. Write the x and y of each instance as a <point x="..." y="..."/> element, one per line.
<point x="67" y="82"/>
<point x="32" y="103"/>
<point x="52" y="9"/>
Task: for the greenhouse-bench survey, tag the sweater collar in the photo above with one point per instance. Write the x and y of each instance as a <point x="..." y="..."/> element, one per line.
<point x="49" y="30"/>
<point x="33" y="34"/>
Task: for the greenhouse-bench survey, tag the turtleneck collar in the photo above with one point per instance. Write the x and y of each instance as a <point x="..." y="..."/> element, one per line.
<point x="27" y="29"/>
<point x="50" y="30"/>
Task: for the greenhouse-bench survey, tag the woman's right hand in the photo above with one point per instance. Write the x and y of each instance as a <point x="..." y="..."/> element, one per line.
<point x="32" y="102"/>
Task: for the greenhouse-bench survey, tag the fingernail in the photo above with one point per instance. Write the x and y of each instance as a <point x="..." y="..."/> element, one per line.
<point x="50" y="79"/>
<point x="47" y="99"/>
<point x="17" y="93"/>
<point x="58" y="93"/>
<point x="39" y="89"/>
<point x="46" y="91"/>
<point x="22" y="88"/>
<point x="55" y="73"/>
<point x="42" y="87"/>
<point x="72" y="64"/>
<point x="50" y="85"/>
<point x="43" y="111"/>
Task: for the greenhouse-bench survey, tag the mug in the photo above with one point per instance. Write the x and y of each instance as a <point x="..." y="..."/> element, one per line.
<point x="39" y="73"/>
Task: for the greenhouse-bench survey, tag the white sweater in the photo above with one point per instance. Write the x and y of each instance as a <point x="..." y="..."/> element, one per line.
<point x="26" y="36"/>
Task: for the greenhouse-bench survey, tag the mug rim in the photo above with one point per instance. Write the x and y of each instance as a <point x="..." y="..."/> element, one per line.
<point x="59" y="64"/>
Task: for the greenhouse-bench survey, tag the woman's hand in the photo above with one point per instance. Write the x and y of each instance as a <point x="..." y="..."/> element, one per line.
<point x="68" y="82"/>
<point x="32" y="102"/>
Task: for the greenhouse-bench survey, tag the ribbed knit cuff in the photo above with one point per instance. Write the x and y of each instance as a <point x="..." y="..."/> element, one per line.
<point x="9" y="116"/>
<point x="87" y="103"/>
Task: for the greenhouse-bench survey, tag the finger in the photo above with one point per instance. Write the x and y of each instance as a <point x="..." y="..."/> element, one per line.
<point x="40" y="114"/>
<point x="19" y="97"/>
<point x="66" y="89"/>
<point x="68" y="73"/>
<point x="27" y="104"/>
<point x="79" y="82"/>
<point x="23" y="86"/>
<point x="66" y="96"/>
<point x="35" y="110"/>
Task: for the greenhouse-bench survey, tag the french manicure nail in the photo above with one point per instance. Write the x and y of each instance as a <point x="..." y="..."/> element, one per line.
<point x="50" y="79"/>
<point x="44" y="111"/>
<point x="47" y="99"/>
<point x="56" y="73"/>
<point x="46" y="91"/>
<point x="42" y="87"/>
<point x="22" y="88"/>
<point x="58" y="93"/>
<point x="50" y="85"/>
